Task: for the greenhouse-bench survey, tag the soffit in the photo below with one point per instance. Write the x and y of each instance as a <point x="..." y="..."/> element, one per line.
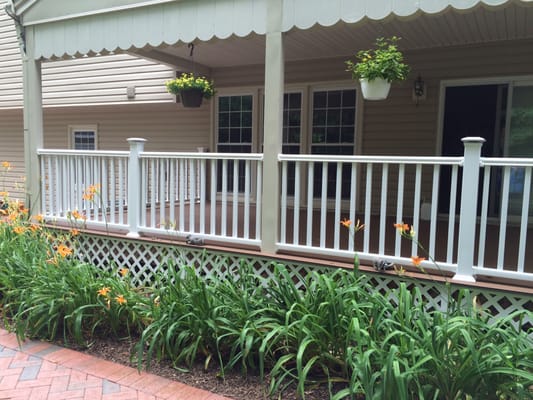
<point x="426" y="31"/>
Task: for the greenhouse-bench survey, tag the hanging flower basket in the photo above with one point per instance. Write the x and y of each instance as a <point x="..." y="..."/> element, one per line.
<point x="378" y="67"/>
<point x="191" y="98"/>
<point x="376" y="89"/>
<point x="191" y="89"/>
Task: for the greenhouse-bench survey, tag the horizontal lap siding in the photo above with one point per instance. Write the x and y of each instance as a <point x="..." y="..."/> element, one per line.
<point x="104" y="80"/>
<point x="167" y="127"/>
<point x="84" y="81"/>
<point x="11" y="150"/>
<point x="10" y="63"/>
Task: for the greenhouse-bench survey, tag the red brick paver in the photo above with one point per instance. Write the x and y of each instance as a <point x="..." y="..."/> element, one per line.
<point x="43" y="371"/>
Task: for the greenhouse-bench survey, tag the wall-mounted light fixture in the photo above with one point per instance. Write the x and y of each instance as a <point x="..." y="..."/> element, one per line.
<point x="419" y="90"/>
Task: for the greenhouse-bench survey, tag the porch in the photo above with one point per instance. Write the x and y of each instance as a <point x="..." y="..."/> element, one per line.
<point x="217" y="199"/>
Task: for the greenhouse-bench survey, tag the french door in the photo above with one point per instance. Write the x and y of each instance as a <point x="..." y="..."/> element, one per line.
<point x="500" y="112"/>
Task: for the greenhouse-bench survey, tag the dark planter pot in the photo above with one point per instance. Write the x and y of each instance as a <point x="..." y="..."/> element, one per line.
<point x="191" y="98"/>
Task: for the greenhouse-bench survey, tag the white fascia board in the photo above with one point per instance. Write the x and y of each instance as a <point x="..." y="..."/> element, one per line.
<point x="101" y="11"/>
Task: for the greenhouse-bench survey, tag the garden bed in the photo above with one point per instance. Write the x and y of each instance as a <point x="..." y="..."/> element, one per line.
<point x="329" y="329"/>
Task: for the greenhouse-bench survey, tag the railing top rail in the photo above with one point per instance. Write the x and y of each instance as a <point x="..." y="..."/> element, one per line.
<point x="373" y="159"/>
<point x="89" y="153"/>
<point x="507" y="162"/>
<point x="203" y="156"/>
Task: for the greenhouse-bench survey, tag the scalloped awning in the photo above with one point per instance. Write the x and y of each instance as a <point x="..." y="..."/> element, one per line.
<point x="154" y="23"/>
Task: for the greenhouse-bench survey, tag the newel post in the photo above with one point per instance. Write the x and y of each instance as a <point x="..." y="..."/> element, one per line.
<point x="468" y="213"/>
<point x="134" y="185"/>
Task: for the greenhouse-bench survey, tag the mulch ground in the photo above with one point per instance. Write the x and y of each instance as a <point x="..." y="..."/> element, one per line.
<point x="234" y="385"/>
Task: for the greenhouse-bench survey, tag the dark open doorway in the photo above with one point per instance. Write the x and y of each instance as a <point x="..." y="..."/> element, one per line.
<point x="471" y="111"/>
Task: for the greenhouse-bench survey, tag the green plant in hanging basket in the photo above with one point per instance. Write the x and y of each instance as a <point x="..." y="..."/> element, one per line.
<point x="188" y="81"/>
<point x="384" y="61"/>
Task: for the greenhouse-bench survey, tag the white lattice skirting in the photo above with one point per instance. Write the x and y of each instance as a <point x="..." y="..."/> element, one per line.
<point x="146" y="259"/>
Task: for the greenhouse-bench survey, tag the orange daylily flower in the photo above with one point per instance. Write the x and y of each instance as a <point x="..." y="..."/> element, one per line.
<point x="104" y="291"/>
<point x="401" y="227"/>
<point x="89" y="193"/>
<point x="34" y="227"/>
<point x="63" y="250"/>
<point x="77" y="215"/>
<point x="6" y="165"/>
<point x="123" y="271"/>
<point x="120" y="299"/>
<point x="88" y="196"/>
<point x="19" y="230"/>
<point x="4" y="194"/>
<point x="417" y="260"/>
<point x="346" y="223"/>
<point x="405" y="230"/>
<point x="39" y="218"/>
<point x="74" y="232"/>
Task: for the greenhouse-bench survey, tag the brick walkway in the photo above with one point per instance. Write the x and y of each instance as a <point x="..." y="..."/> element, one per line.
<point x="40" y="370"/>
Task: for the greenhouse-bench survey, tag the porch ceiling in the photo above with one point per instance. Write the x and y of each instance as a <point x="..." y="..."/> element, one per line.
<point x="513" y="21"/>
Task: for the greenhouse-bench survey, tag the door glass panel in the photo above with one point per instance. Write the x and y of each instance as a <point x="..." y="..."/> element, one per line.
<point x="520" y="143"/>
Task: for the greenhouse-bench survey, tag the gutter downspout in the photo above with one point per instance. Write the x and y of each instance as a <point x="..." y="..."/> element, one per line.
<point x="21" y="32"/>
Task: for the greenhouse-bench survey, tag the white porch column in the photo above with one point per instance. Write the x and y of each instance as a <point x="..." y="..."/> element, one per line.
<point x="33" y="124"/>
<point x="134" y="185"/>
<point x="273" y="123"/>
<point x="468" y="213"/>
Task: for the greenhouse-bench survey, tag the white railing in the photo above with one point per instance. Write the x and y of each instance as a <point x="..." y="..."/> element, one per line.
<point x="320" y="191"/>
<point x="68" y="174"/>
<point x="471" y="214"/>
<point x="505" y="217"/>
<point x="205" y="195"/>
<point x="210" y="195"/>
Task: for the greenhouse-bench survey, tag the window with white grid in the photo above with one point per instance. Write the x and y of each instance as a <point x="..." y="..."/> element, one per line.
<point x="83" y="137"/>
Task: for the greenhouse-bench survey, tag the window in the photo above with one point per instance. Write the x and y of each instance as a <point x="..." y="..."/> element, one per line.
<point x="292" y="122"/>
<point x="333" y="132"/>
<point x="292" y="127"/>
<point x="234" y="132"/>
<point x="83" y="137"/>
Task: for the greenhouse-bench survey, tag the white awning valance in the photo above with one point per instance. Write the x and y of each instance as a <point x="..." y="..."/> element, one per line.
<point x="169" y="22"/>
<point x="303" y="14"/>
<point x="165" y="23"/>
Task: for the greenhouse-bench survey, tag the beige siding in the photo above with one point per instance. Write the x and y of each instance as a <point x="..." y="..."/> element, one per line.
<point x="85" y="81"/>
<point x="104" y="80"/>
<point x="167" y="127"/>
<point x="12" y="151"/>
<point x="10" y="63"/>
